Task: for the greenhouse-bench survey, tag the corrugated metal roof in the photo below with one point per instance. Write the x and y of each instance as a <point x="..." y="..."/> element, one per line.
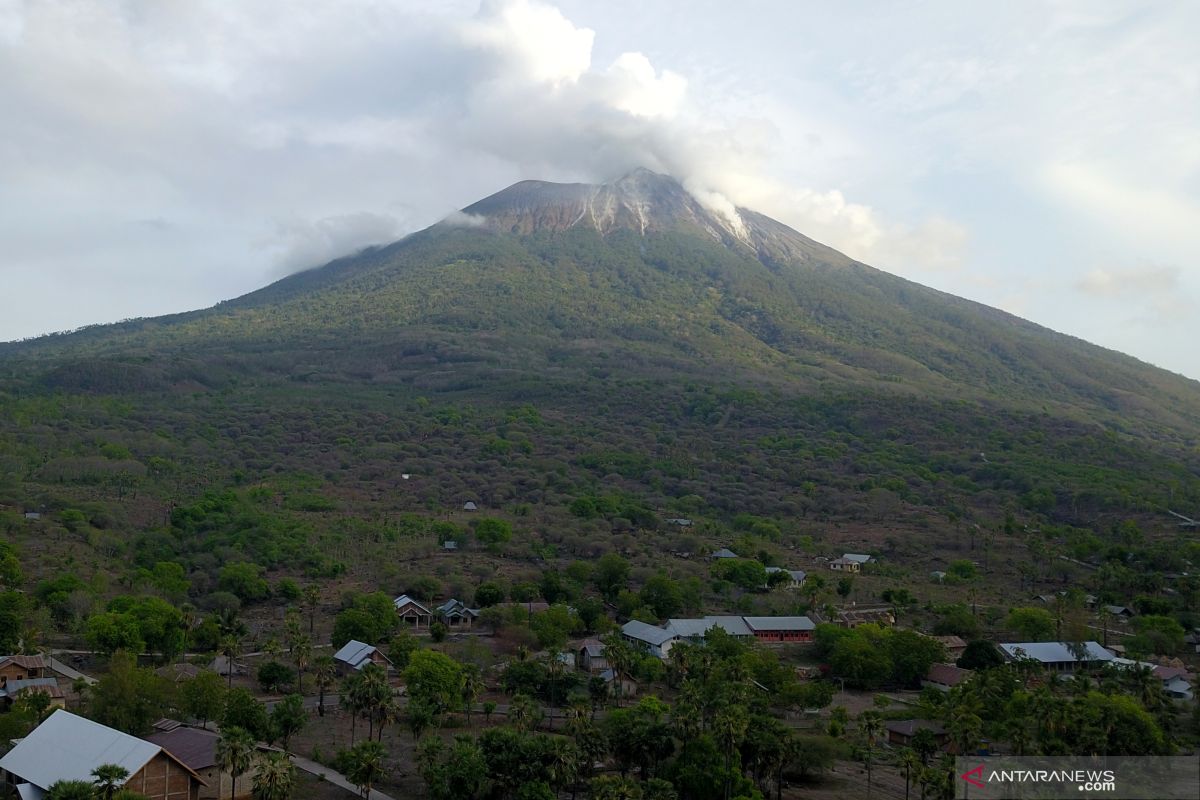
<point x="635" y="629"/>
<point x="1055" y="652"/>
<point x="193" y="747"/>
<point x="403" y="600"/>
<point x="780" y="623"/>
<point x="69" y="747"/>
<point x="354" y="653"/>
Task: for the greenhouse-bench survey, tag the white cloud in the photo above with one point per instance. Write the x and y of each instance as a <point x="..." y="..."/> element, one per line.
<point x="300" y="244"/>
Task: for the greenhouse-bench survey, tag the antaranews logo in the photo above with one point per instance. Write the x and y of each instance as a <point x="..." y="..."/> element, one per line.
<point x="1122" y="778"/>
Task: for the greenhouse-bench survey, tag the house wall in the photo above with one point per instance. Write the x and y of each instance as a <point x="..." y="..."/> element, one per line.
<point x="164" y="779"/>
<point x="14" y="672"/>
<point x="221" y="783"/>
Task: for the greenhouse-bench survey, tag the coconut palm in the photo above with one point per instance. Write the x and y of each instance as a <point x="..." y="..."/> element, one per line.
<point x="235" y="753"/>
<point x="231" y="648"/>
<point x="302" y="652"/>
<point x="275" y="778"/>
<point x="325" y="673"/>
<point x="108" y="778"/>
<point x="910" y="762"/>
<point x="729" y="728"/>
<point x="366" y="765"/>
<point x="870" y="727"/>
<point x="472" y="686"/>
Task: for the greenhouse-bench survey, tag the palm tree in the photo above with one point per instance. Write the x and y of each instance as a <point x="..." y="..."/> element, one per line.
<point x="275" y="778"/>
<point x="231" y="648"/>
<point x="235" y="752"/>
<point x="71" y="790"/>
<point x="554" y="673"/>
<point x="351" y="700"/>
<point x="729" y="729"/>
<point x="909" y="761"/>
<point x="472" y="686"/>
<point x="375" y="694"/>
<point x="870" y="726"/>
<point x="620" y="660"/>
<point x="325" y="672"/>
<point x="302" y="651"/>
<point x="366" y="765"/>
<point x="108" y="778"/>
<point x="523" y="712"/>
<point x="311" y="598"/>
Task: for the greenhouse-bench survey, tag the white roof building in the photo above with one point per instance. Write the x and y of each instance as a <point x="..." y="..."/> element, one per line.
<point x="355" y="654"/>
<point x="1059" y="655"/>
<point x="66" y="747"/>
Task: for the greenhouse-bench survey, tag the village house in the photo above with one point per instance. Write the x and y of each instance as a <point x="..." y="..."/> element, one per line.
<point x="944" y="677"/>
<point x="178" y="672"/>
<point x="1176" y="681"/>
<point x="844" y="564"/>
<point x="954" y="645"/>
<point x="19" y="668"/>
<point x="724" y="552"/>
<point x="455" y="614"/>
<point x="682" y="522"/>
<point x="1124" y="612"/>
<point x="901" y="732"/>
<point x="626" y="686"/>
<point x="655" y="641"/>
<point x="12" y="691"/>
<point x="355" y="655"/>
<point x="781" y="629"/>
<point x="861" y="558"/>
<point x="937" y="575"/>
<point x="470" y="506"/>
<point x="66" y="747"/>
<point x="196" y="749"/>
<point x="411" y="612"/>
<point x="796" y="576"/>
<point x="1058" y="656"/>
<point x="590" y="656"/>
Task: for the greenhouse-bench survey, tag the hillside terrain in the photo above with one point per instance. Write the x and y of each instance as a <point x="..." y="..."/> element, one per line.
<point x="575" y="393"/>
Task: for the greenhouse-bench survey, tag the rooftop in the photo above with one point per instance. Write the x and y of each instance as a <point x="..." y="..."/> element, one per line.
<point x="354" y="653"/>
<point x="195" y="748"/>
<point x="635" y="629"/>
<point x="69" y="747"/>
<point x="780" y="623"/>
<point x="1055" y="652"/>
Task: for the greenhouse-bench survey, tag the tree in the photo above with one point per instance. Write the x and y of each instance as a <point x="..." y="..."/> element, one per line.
<point x="288" y="718"/>
<point x="729" y="728"/>
<point x="845" y="585"/>
<point x="434" y="678"/>
<point x="203" y="697"/>
<point x="1157" y="634"/>
<point x="980" y="654"/>
<point x="302" y="651"/>
<point x="455" y="772"/>
<point x="962" y="569"/>
<point x="243" y="711"/>
<point x="524" y="713"/>
<point x="366" y="765"/>
<point x="870" y="728"/>
<point x="401" y="648"/>
<point x="244" y="580"/>
<point x="325" y="673"/>
<point x="129" y="697"/>
<point x="311" y="599"/>
<point x="108" y="778"/>
<point x="661" y="595"/>
<point x="488" y="594"/>
<point x="611" y="575"/>
<point x="1031" y="624"/>
<point x="234" y="753"/>
<point x="231" y="648"/>
<point x="472" y="686"/>
<point x="272" y="676"/>
<point x="275" y="778"/>
<point x="493" y="532"/>
<point x="70" y="790"/>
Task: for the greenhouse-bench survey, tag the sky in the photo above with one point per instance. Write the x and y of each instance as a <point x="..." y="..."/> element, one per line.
<point x="1041" y="157"/>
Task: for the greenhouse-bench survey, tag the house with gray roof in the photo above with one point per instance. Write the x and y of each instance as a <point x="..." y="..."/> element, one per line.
<point x="456" y="614"/>
<point x="66" y="747"/>
<point x="724" y="552"/>
<point x="655" y="641"/>
<point x="1058" y="656"/>
<point x="796" y="577"/>
<point x="411" y="612"/>
<point x="355" y="655"/>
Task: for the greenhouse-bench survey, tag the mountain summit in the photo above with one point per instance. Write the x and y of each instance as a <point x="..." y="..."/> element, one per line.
<point x="642" y="201"/>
